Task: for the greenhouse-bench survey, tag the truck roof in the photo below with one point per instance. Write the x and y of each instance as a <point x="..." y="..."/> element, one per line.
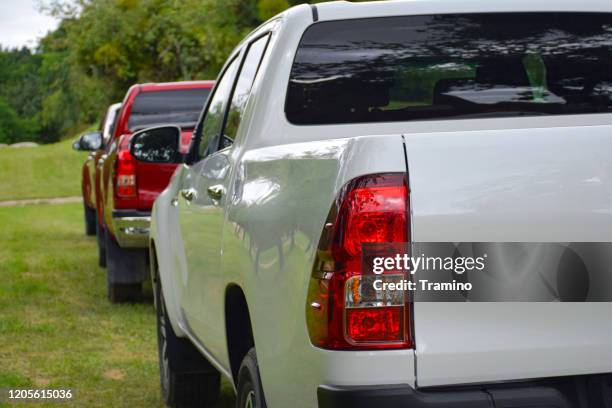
<point x="150" y="87"/>
<point x="339" y="10"/>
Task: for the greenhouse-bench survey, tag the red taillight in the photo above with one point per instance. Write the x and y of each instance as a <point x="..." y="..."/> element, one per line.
<point x="343" y="310"/>
<point x="125" y="171"/>
<point x="374" y="214"/>
<point x="379" y="324"/>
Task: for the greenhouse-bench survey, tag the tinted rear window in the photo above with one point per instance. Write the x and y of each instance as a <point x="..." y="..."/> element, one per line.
<point x="452" y="66"/>
<point x="180" y="107"/>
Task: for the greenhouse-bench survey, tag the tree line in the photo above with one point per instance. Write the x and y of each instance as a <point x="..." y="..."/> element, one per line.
<point x="101" y="47"/>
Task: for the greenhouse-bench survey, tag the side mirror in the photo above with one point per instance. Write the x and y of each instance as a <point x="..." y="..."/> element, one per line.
<point x="157" y="145"/>
<point x="88" y="142"/>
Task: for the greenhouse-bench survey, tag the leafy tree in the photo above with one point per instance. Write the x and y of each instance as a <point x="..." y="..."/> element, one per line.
<point x="12" y="127"/>
<point x="9" y="122"/>
<point x="20" y="96"/>
<point x="269" y="8"/>
<point x="102" y="47"/>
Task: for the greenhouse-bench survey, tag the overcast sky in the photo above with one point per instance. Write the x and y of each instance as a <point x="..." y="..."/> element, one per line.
<point x="21" y="24"/>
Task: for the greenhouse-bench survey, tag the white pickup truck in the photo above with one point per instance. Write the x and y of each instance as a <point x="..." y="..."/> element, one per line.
<point x="338" y="124"/>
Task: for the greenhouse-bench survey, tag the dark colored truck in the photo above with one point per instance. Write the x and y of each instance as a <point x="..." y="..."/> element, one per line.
<point x="126" y="188"/>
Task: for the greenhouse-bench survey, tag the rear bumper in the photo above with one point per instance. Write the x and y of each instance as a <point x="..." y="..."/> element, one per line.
<point x="131" y="228"/>
<point x="569" y="392"/>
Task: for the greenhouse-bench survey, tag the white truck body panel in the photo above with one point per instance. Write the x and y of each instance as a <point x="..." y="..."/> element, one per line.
<point x="547" y="184"/>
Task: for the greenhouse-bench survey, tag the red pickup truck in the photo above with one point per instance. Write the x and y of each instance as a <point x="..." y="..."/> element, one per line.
<point x="127" y="189"/>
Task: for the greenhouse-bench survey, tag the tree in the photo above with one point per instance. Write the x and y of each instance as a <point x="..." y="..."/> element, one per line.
<point x="12" y="127"/>
<point x="102" y="47"/>
<point x="269" y="8"/>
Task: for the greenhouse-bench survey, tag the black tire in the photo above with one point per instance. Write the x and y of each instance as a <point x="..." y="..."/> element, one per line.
<point x="187" y="379"/>
<point x="125" y="292"/>
<point x="125" y="269"/>
<point x="249" y="392"/>
<point x="100" y="235"/>
<point x="90" y="220"/>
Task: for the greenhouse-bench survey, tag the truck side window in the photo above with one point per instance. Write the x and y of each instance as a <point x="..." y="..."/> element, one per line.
<point x="213" y="119"/>
<point x="242" y="91"/>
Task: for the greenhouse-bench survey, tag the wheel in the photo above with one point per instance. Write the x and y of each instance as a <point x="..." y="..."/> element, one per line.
<point x="101" y="245"/>
<point x="125" y="292"/>
<point x="90" y="220"/>
<point x="125" y="269"/>
<point x="187" y="379"/>
<point x="249" y="392"/>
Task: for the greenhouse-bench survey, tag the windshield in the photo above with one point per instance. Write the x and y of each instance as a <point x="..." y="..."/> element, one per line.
<point x="179" y="107"/>
<point x="452" y="66"/>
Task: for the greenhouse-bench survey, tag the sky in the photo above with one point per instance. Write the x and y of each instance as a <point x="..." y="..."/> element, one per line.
<point x="21" y="24"/>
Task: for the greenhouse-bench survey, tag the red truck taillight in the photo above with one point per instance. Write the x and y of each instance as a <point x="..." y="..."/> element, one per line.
<point x="343" y="312"/>
<point x="125" y="171"/>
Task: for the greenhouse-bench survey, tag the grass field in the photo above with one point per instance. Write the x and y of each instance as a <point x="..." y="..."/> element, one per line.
<point x="57" y="330"/>
<point x="40" y="172"/>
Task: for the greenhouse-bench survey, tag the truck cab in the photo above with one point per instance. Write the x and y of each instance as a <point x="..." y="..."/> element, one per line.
<point x="128" y="188"/>
<point x="94" y="142"/>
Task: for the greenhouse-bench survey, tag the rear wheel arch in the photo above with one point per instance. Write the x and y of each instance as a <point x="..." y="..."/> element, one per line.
<point x="239" y="331"/>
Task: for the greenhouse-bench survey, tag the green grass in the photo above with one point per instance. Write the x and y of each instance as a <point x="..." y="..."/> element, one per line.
<point x="57" y="329"/>
<point x="40" y="172"/>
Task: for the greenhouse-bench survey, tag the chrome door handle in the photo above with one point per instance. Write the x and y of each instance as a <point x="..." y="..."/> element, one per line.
<point x="216" y="192"/>
<point x="189" y="194"/>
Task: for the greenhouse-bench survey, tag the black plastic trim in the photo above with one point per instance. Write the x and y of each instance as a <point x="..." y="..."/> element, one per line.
<point x="315" y="13"/>
<point x="586" y="391"/>
<point x="400" y="396"/>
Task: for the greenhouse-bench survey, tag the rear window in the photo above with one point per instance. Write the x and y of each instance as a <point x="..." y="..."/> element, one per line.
<point x="180" y="107"/>
<point x="452" y="66"/>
